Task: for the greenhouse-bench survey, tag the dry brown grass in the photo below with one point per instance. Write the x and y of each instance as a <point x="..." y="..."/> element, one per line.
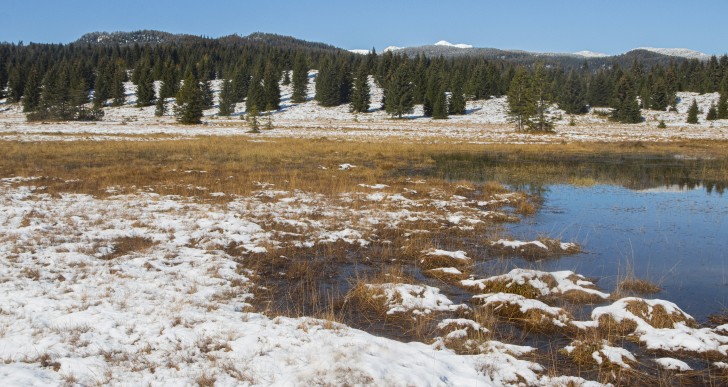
<point x="127" y="245"/>
<point x="635" y="286"/>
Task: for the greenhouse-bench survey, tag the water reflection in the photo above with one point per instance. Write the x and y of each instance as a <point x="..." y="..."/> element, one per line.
<point x="660" y="217"/>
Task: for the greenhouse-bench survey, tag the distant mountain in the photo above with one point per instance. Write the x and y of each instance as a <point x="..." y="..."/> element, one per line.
<point x="646" y="55"/>
<point x="160" y="37"/>
<point x="681" y="52"/>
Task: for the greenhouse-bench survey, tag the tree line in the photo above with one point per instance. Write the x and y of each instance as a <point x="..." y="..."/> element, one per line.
<point x="75" y="81"/>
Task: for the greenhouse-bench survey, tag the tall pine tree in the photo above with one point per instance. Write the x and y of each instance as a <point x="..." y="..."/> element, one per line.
<point x="361" y="94"/>
<point x="693" y="113"/>
<point x="227" y="98"/>
<point x="626" y="108"/>
<point x="398" y="97"/>
<point x="189" y="103"/>
<point x="521" y="104"/>
<point x="300" y="80"/>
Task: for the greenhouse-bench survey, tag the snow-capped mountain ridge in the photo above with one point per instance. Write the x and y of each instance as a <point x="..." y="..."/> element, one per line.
<point x="448" y="44"/>
<point x="590" y="54"/>
<point x="681" y="52"/>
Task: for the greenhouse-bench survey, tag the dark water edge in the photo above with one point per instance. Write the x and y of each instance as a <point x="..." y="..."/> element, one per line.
<point x="663" y="217"/>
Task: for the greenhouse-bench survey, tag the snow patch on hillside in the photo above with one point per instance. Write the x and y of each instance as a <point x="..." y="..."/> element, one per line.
<point x="681" y="52"/>
<point x="590" y="54"/>
<point x="448" y="44"/>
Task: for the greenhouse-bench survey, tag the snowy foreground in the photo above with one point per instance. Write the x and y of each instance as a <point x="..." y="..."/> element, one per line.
<point x="175" y="311"/>
<point x="485" y="122"/>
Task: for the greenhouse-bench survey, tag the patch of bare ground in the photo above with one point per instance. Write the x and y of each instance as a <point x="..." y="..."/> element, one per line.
<point x="127" y="245"/>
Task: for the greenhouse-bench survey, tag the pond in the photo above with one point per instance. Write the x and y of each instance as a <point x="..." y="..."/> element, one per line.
<point x="665" y="218"/>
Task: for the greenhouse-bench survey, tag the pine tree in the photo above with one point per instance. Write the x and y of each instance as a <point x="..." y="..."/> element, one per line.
<point x="626" y="108"/>
<point x="722" y="108"/>
<point x="160" y="107"/>
<point x="118" y="92"/>
<point x="241" y="82"/>
<point x="573" y="98"/>
<point x="693" y="113"/>
<point x="170" y="82"/>
<point x="712" y="113"/>
<point x="327" y="85"/>
<point x="398" y="93"/>
<point x="31" y="95"/>
<point x="102" y="86"/>
<point x="189" y="103"/>
<point x="439" y="104"/>
<point x="252" y="118"/>
<point x="3" y="77"/>
<point x="145" y="88"/>
<point x="360" y="96"/>
<point x="300" y="80"/>
<point x="16" y="85"/>
<point x="286" y="78"/>
<point x="271" y="88"/>
<point x="542" y="99"/>
<point x="457" y="100"/>
<point x="208" y="98"/>
<point x="227" y="98"/>
<point x="599" y="90"/>
<point x="256" y="96"/>
<point x="521" y="105"/>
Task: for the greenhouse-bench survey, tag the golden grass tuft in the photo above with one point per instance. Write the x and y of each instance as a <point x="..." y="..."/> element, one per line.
<point x="127" y="245"/>
<point x="636" y="286"/>
<point x="657" y="316"/>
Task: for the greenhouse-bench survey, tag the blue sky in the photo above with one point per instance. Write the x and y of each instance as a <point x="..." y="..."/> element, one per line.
<point x="605" y="26"/>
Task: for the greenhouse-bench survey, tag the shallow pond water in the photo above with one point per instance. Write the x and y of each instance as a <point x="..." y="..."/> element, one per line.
<point x="664" y="217"/>
<point x="676" y="237"/>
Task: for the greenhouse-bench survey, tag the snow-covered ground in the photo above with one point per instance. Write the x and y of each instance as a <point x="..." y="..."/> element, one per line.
<point x="485" y="122"/>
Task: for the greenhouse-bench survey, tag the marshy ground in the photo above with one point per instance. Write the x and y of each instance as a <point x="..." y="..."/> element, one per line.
<point x="146" y="260"/>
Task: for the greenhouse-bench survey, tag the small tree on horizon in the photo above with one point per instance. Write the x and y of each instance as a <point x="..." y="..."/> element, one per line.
<point x="693" y="113"/>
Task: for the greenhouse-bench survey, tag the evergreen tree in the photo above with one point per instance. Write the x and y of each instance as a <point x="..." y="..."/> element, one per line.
<point x="626" y="108"/>
<point x="256" y="96"/>
<point x="286" y="78"/>
<point x="3" y="77"/>
<point x="16" y="85"/>
<point x="160" y="107"/>
<point x="145" y="88"/>
<point x="398" y="96"/>
<point x="439" y="104"/>
<point x="573" y="98"/>
<point x="722" y="109"/>
<point x="661" y="97"/>
<point x="457" y="100"/>
<point x="241" y="82"/>
<point x="521" y="105"/>
<point x="693" y="113"/>
<point x="712" y="113"/>
<point x="541" y="98"/>
<point x="599" y="90"/>
<point x="227" y="98"/>
<point x="252" y="118"/>
<point x="328" y="91"/>
<point x="31" y="95"/>
<point x="170" y="82"/>
<point x="118" y="92"/>
<point x="102" y="85"/>
<point x="360" y="96"/>
<point x="271" y="88"/>
<point x="189" y="103"/>
<point x="300" y="80"/>
<point x="208" y="98"/>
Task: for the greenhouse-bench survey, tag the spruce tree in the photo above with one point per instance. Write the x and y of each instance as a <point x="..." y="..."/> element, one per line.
<point x="722" y="108"/>
<point x="170" y="82"/>
<point x="286" y="78"/>
<point x="3" y="77"/>
<point x="227" y="98"/>
<point x="712" y="113"/>
<point x="102" y="86"/>
<point x="439" y="104"/>
<point x="626" y="108"/>
<point x="160" y="107"/>
<point x="16" y="85"/>
<point x="118" y="92"/>
<point x="189" y="103"/>
<point x="693" y="113"/>
<point x="145" y="88"/>
<point x="361" y="94"/>
<point x="540" y="95"/>
<point x="573" y="98"/>
<point x="256" y="96"/>
<point x="398" y="96"/>
<point x="300" y="80"/>
<point x="252" y="118"/>
<point x="327" y="85"/>
<point x="457" y="100"/>
<point x="241" y="82"/>
<point x="521" y="105"/>
<point x="208" y="98"/>
<point x="31" y="95"/>
<point x="271" y="88"/>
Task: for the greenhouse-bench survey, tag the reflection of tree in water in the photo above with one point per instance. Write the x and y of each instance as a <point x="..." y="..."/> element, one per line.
<point x="531" y="172"/>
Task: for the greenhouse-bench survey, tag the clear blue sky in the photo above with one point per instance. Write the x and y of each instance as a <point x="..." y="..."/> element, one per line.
<point x="605" y="26"/>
